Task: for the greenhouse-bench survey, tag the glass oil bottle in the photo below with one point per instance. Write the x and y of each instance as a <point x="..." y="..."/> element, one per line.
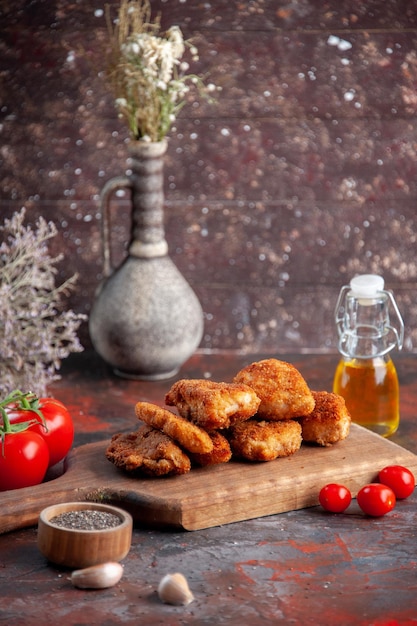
<point x="366" y="376"/>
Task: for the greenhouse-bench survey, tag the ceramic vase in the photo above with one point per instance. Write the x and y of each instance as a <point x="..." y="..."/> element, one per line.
<point x="146" y="320"/>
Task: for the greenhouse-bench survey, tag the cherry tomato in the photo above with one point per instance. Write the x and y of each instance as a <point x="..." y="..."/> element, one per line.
<point x="335" y="498"/>
<point x="24" y="459"/>
<point x="399" y="478"/>
<point x="58" y="431"/>
<point x="376" y="499"/>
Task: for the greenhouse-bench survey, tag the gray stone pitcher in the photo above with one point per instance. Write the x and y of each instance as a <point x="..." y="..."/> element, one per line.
<point x="146" y="320"/>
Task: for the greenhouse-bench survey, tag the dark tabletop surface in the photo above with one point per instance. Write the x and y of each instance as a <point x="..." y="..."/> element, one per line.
<point x="301" y="567"/>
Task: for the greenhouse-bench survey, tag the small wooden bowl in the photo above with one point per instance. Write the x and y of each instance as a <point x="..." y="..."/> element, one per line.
<point x="81" y="548"/>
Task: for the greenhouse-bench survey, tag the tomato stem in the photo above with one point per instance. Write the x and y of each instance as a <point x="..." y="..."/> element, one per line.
<point x="23" y="401"/>
<point x="19" y="401"/>
<point x="6" y="428"/>
<point x="6" y="422"/>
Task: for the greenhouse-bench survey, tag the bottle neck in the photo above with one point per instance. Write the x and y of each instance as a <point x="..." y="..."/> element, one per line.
<point x="362" y="345"/>
<point x="364" y="325"/>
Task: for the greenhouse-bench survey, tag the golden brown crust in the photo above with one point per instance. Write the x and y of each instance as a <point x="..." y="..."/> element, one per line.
<point x="221" y="452"/>
<point x="283" y="391"/>
<point x="147" y="451"/>
<point x="189" y="436"/>
<point x="212" y="405"/>
<point x="265" y="413"/>
<point x="329" y="422"/>
<point x="265" y="441"/>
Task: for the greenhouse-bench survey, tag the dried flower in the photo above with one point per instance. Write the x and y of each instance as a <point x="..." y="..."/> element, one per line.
<point x="35" y="334"/>
<point x="145" y="70"/>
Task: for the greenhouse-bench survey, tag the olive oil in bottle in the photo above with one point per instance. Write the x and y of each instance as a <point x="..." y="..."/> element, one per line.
<point x="366" y="376"/>
<point x="371" y="392"/>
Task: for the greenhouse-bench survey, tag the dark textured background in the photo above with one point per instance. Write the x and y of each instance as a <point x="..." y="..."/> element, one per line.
<point x="303" y="174"/>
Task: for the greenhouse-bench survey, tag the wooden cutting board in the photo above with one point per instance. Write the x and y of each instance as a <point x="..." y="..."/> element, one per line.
<point x="210" y="496"/>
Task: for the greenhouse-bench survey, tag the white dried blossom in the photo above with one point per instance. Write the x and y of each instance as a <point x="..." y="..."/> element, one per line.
<point x="174" y="36"/>
<point x="146" y="70"/>
<point x="35" y="333"/>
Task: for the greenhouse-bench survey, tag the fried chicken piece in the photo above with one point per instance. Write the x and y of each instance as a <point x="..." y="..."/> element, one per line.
<point x="147" y="451"/>
<point x="283" y="391"/>
<point x="221" y="452"/>
<point x="265" y="441"/>
<point x="213" y="405"/>
<point x="329" y="422"/>
<point x="187" y="435"/>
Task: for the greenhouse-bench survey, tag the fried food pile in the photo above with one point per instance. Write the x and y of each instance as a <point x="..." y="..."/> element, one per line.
<point x="266" y="412"/>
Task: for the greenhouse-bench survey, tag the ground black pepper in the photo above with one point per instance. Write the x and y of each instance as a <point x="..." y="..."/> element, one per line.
<point x="87" y="519"/>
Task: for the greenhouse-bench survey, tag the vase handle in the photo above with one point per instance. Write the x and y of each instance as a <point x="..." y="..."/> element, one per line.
<point x="113" y="185"/>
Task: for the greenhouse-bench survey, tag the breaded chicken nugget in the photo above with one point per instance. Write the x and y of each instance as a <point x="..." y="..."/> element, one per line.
<point x="212" y="405"/>
<point x="221" y="452"/>
<point x="329" y="422"/>
<point x="283" y="391"/>
<point x="265" y="441"/>
<point x="147" y="451"/>
<point x="189" y="436"/>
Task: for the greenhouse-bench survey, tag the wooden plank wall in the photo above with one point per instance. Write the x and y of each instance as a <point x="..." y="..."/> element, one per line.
<point x="302" y="175"/>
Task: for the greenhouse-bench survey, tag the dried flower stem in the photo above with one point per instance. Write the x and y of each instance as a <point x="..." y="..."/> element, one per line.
<point x="35" y="334"/>
<point x="145" y="70"/>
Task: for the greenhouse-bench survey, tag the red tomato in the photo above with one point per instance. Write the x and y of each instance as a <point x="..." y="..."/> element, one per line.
<point x="399" y="478"/>
<point x="24" y="459"/>
<point x="59" y="430"/>
<point x="335" y="498"/>
<point x="376" y="499"/>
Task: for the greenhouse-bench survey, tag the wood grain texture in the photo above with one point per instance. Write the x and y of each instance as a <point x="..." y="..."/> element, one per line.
<point x="211" y="496"/>
<point x="303" y="174"/>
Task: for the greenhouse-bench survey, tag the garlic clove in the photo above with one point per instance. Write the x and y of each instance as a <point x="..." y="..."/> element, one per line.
<point x="174" y="589"/>
<point x="97" y="576"/>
